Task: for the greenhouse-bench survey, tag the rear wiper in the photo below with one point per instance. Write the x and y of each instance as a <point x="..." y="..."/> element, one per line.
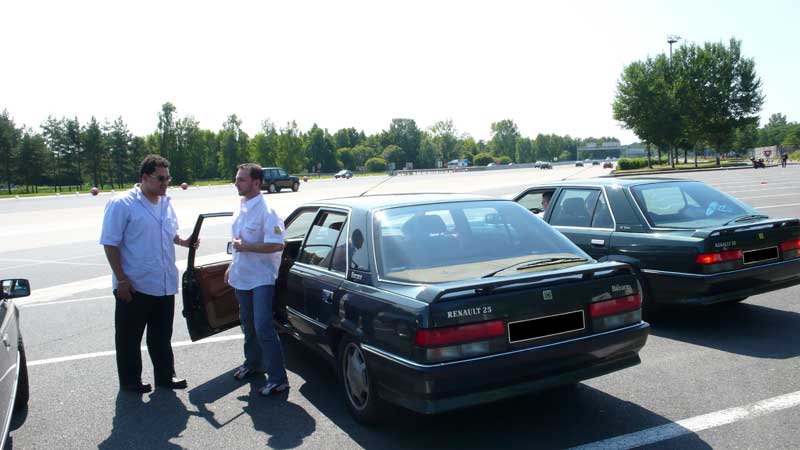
<point x="534" y="263"/>
<point x="747" y="217"/>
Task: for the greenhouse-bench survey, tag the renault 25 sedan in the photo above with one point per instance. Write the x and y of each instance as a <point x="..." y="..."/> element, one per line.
<point x="692" y="243"/>
<point x="437" y="301"/>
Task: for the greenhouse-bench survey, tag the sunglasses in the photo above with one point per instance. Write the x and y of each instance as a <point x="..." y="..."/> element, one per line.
<point x="161" y="178"/>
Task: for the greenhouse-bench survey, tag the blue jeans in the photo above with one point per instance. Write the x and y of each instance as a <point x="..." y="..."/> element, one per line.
<point x="262" y="347"/>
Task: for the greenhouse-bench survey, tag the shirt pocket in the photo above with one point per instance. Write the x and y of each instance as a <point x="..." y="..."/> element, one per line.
<point x="253" y="231"/>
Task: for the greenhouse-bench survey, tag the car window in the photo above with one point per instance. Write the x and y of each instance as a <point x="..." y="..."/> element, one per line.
<point x="282" y="172"/>
<point x="602" y="215"/>
<point x="456" y="241"/>
<point x="298" y="227"/>
<point x="532" y="201"/>
<point x="339" y="259"/>
<point x="322" y="238"/>
<point x="687" y="204"/>
<point x="574" y="208"/>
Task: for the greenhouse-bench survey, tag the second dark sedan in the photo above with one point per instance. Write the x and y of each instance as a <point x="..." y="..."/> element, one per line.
<point x="435" y="302"/>
<point x="692" y="243"/>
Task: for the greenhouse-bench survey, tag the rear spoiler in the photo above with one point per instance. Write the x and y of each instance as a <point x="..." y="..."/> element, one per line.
<point x="433" y="293"/>
<point x="760" y="225"/>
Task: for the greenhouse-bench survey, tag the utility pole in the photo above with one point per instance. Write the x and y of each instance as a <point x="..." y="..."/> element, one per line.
<point x="671" y="39"/>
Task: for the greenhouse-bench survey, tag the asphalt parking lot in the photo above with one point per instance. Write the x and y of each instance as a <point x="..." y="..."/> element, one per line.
<point x="716" y="377"/>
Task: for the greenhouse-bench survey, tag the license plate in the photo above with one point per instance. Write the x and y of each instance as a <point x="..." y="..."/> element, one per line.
<point x="542" y="327"/>
<point x="760" y="255"/>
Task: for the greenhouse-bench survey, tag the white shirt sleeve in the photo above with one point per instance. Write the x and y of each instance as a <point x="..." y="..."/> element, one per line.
<point x="115" y="219"/>
<point x="274" y="229"/>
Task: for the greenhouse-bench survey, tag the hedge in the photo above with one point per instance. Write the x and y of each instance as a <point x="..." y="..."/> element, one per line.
<point x="375" y="165"/>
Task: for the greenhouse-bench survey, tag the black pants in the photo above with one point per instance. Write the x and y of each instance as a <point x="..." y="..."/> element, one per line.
<point x="130" y="320"/>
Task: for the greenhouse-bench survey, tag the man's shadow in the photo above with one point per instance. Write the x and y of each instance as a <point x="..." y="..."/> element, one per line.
<point x="285" y="423"/>
<point x="147" y="425"/>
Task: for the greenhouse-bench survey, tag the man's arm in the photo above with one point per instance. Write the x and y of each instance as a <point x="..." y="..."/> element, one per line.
<point x="184" y="242"/>
<point x="124" y="288"/>
<point x="256" y="247"/>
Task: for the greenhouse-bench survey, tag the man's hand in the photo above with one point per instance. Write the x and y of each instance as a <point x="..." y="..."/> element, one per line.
<point x="239" y="245"/>
<point x="125" y="290"/>
<point x="227" y="274"/>
<point x="185" y="242"/>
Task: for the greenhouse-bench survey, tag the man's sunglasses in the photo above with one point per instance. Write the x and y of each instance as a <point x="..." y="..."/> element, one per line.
<point x="161" y="178"/>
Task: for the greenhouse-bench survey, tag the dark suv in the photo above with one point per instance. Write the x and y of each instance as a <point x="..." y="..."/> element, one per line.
<point x="276" y="178"/>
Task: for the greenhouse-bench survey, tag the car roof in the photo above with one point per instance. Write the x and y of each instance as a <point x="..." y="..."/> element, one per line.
<point x="613" y="181"/>
<point x="370" y="202"/>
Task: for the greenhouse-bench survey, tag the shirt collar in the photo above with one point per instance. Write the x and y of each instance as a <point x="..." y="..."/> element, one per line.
<point x="137" y="191"/>
<point x="252" y="203"/>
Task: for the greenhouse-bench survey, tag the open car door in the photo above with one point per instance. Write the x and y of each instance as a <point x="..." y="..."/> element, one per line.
<point x="209" y="305"/>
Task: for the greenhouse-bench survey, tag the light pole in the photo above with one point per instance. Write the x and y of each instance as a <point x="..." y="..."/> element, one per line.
<point x="671" y="39"/>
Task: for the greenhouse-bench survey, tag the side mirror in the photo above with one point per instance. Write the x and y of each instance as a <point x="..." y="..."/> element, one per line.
<point x="229" y="250"/>
<point x="17" y="287"/>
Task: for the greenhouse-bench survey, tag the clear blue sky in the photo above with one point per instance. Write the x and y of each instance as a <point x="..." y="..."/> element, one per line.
<point x="550" y="68"/>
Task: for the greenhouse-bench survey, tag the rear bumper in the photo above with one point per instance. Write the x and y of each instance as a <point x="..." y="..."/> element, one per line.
<point x="698" y="289"/>
<point x="435" y="388"/>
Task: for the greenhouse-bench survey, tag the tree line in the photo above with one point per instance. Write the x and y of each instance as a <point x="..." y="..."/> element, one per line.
<point x="701" y="96"/>
<point x="67" y="154"/>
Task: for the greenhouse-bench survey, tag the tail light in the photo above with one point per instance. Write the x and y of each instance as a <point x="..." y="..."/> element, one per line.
<point x="432" y="337"/>
<point x="720" y="257"/>
<point x="791" y="249"/>
<point x="615" y="306"/>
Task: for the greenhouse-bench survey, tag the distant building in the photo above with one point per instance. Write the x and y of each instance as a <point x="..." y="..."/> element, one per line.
<point x="611" y="149"/>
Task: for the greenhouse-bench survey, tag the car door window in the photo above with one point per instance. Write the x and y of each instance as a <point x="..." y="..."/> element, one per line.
<point x="282" y="173"/>
<point x="574" y="208"/>
<point x="321" y="239"/>
<point x="535" y="201"/>
<point x="339" y="259"/>
<point x="602" y="215"/>
<point x="298" y="227"/>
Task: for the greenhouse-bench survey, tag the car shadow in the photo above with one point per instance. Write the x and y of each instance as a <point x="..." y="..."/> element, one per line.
<point x="554" y="419"/>
<point x="741" y="328"/>
<point x="285" y="423"/>
<point x="164" y="417"/>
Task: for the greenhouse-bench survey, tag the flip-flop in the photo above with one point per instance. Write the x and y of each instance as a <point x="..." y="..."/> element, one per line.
<point x="242" y="373"/>
<point x="273" y="388"/>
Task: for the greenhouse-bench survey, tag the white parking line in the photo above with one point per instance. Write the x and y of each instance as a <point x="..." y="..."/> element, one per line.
<point x="695" y="424"/>
<point x="777" y="206"/>
<point x="77" y="300"/>
<point x="210" y="340"/>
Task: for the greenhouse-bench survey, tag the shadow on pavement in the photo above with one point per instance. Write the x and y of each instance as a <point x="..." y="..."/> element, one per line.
<point x="741" y="328"/>
<point x="139" y="424"/>
<point x="555" y="419"/>
<point x="285" y="423"/>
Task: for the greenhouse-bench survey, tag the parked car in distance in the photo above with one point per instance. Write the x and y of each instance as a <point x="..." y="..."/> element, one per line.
<point x="14" y="387"/>
<point x="545" y="165"/>
<point x="344" y="174"/>
<point x="579" y="164"/>
<point x="437" y="301"/>
<point x="608" y="165"/>
<point x="277" y="178"/>
<point x="691" y="243"/>
<point x="595" y="163"/>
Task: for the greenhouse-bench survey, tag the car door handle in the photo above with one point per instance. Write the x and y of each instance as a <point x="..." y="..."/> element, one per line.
<point x="327" y="296"/>
<point x="598" y="242"/>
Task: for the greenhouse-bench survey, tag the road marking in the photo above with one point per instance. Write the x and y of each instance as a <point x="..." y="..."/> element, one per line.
<point x="210" y="340"/>
<point x="766" y="196"/>
<point x="695" y="424"/>
<point x="62" y="291"/>
<point x="33" y="305"/>
<point x="777" y="206"/>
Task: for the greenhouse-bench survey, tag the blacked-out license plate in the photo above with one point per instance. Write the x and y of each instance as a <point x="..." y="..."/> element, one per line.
<point x="543" y="327"/>
<point x="763" y="254"/>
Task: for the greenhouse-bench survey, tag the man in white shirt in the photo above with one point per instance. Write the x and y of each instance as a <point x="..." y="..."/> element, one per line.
<point x="257" y="234"/>
<point x="140" y="231"/>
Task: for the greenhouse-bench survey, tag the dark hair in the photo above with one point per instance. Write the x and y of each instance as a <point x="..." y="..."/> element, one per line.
<point x="150" y="162"/>
<point x="547" y="194"/>
<point x="255" y="170"/>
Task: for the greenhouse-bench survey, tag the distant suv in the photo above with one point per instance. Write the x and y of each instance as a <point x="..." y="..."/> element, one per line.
<point x="276" y="178"/>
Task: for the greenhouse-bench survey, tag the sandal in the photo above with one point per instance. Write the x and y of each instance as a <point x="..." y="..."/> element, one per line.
<point x="273" y="388"/>
<point x="242" y="373"/>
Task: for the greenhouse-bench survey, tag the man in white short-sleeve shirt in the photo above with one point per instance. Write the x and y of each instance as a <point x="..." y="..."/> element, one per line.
<point x="257" y="233"/>
<point x="140" y="231"/>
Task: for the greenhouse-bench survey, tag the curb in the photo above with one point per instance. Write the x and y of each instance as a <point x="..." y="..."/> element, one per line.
<point x="616" y="175"/>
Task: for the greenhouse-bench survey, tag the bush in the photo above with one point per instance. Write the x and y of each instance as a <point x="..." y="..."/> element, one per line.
<point x="794" y="156"/>
<point x="375" y="165"/>
<point x="504" y="160"/>
<point x="631" y="163"/>
<point x="482" y="159"/>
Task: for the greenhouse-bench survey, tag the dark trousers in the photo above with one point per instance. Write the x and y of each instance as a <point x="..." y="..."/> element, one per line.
<point x="130" y="320"/>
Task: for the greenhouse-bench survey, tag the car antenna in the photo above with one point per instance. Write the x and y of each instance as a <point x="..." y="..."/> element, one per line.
<point x="373" y="187"/>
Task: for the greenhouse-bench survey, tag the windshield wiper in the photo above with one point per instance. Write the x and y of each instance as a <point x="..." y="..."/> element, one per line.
<point x="747" y="217"/>
<point x="534" y="263"/>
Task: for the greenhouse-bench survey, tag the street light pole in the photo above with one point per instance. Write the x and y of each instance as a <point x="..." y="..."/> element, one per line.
<point x="671" y="39"/>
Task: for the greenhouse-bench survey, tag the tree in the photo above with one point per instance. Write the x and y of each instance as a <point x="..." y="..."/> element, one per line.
<point x="9" y="134"/>
<point x="429" y="152"/>
<point x="73" y="151"/>
<point x="394" y="154"/>
<point x="53" y="132"/>
<point x="94" y="150"/>
<point x="482" y="159"/>
<point x="347" y="158"/>
<point x="319" y="150"/>
<point x="166" y="133"/>
<point x="119" y="141"/>
<point x="290" y="148"/>
<point x="233" y="146"/>
<point x="504" y="138"/>
<point x="445" y="140"/>
<point x="264" y="145"/>
<point x="375" y="165"/>
<point x="524" y="150"/>
<point x="405" y="134"/>
<point x="347" y="137"/>
<point x="31" y="159"/>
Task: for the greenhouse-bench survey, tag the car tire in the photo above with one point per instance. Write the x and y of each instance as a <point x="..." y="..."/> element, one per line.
<point x="272" y="189"/>
<point x="358" y="384"/>
<point x="23" y="387"/>
<point x="295" y="186"/>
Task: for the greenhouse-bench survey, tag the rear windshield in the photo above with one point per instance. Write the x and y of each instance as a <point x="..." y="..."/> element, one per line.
<point x="463" y="240"/>
<point x="688" y="204"/>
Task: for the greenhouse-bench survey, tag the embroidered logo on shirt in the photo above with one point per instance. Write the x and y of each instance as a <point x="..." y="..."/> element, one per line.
<point x="277" y="229"/>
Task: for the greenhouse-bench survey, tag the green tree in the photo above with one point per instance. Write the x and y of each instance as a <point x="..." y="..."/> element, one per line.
<point x="9" y="135"/>
<point x="94" y="151"/>
<point x="429" y="152"/>
<point x="119" y="141"/>
<point x="482" y="159"/>
<point x="375" y="165"/>
<point x="264" y="145"/>
<point x="233" y="146"/>
<point x="167" y="135"/>
<point x="319" y="150"/>
<point x="504" y="138"/>
<point x="361" y="153"/>
<point x="405" y="134"/>
<point x="31" y="160"/>
<point x="395" y="154"/>
<point x="74" y="151"/>
<point x="347" y="158"/>
<point x="445" y="139"/>
<point x="525" y="152"/>
<point x="290" y="148"/>
<point x="347" y="137"/>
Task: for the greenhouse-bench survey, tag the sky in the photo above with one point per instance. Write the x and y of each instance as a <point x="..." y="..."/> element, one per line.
<point x="551" y="67"/>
